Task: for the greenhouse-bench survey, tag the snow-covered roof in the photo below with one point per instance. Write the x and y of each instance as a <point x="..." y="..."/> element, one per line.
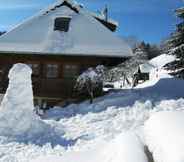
<point x="86" y="35"/>
<point x="162" y="60"/>
<point x="146" y="68"/>
<point x="156" y="63"/>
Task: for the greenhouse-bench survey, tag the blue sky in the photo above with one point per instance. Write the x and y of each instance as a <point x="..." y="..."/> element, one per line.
<point x="148" y="20"/>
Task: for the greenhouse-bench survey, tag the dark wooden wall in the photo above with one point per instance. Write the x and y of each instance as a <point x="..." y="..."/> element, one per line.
<point x="53" y="88"/>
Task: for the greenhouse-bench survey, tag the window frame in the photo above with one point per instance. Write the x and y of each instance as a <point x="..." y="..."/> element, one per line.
<point x="68" y="71"/>
<point x="36" y="72"/>
<point x="53" y="74"/>
<point x="62" y="27"/>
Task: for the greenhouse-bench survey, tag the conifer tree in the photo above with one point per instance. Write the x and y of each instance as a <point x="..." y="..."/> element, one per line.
<point x="176" y="43"/>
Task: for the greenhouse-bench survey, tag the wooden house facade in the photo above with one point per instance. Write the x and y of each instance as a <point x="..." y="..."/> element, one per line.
<point x="59" y="44"/>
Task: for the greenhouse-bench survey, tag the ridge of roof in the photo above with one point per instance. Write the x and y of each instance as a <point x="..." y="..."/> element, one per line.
<point x="75" y="6"/>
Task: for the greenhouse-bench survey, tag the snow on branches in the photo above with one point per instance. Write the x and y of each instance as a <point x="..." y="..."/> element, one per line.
<point x="90" y="82"/>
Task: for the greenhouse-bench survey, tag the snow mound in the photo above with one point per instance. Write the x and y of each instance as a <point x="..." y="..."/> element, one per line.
<point x="164" y="133"/>
<point x="16" y="114"/>
<point x="119" y="149"/>
<point x="126" y="147"/>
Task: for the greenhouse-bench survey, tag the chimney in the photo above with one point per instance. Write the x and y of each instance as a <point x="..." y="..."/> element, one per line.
<point x="105" y="12"/>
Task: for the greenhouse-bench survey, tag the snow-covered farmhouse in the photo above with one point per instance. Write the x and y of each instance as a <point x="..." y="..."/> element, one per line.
<point x="59" y="43"/>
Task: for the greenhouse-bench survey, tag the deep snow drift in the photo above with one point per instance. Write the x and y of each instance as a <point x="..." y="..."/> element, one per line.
<point x="164" y="133"/>
<point x="126" y="147"/>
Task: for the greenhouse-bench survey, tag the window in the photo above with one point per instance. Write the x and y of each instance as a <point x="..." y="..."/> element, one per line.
<point x="35" y="69"/>
<point x="70" y="71"/>
<point x="62" y="24"/>
<point x="52" y="71"/>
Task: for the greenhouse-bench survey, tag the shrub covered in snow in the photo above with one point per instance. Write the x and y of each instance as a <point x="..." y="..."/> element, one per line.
<point x="90" y="82"/>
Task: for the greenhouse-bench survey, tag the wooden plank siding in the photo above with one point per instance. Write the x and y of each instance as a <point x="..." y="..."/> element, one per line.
<point x="51" y="88"/>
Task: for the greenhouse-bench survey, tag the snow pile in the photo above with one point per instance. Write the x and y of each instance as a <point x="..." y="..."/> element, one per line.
<point x="95" y="133"/>
<point x="16" y="114"/>
<point x="164" y="133"/>
<point x="89" y="155"/>
<point x="126" y="147"/>
<point x="119" y="149"/>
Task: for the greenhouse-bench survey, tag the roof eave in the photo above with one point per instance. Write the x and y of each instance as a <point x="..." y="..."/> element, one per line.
<point x="62" y="54"/>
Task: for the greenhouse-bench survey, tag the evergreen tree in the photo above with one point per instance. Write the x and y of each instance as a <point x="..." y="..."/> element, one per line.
<point x="175" y="44"/>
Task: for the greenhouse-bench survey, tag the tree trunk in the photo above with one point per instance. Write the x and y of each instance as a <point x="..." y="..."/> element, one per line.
<point x="91" y="97"/>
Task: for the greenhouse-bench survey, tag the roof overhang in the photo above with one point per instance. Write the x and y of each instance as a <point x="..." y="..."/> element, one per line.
<point x="60" y="54"/>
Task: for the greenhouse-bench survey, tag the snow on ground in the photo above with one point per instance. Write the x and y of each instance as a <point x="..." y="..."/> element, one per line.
<point x="111" y="129"/>
<point x="119" y="149"/>
<point x="155" y="68"/>
<point x="122" y="148"/>
<point x="164" y="133"/>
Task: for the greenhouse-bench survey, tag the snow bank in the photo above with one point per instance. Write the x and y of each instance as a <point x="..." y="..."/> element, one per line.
<point x="126" y="147"/>
<point x="16" y="114"/>
<point x="79" y="156"/>
<point x="164" y="133"/>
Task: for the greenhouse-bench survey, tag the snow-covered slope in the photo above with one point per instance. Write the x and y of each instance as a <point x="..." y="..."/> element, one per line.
<point x="162" y="60"/>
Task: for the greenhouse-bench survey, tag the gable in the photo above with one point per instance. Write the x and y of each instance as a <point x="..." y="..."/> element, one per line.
<point x="109" y="24"/>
